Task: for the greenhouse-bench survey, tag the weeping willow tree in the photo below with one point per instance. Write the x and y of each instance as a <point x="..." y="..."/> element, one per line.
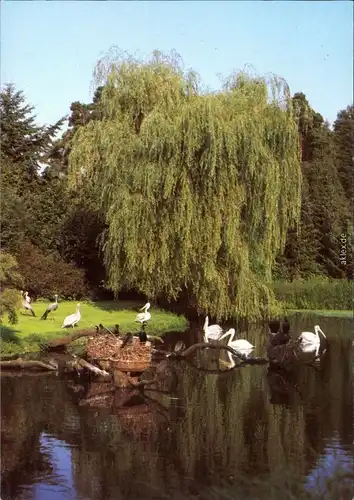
<point x="198" y="188"/>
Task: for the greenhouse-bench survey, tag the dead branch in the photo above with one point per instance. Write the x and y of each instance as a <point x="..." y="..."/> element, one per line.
<point x="25" y="373"/>
<point x="205" y="345"/>
<point x="62" y="342"/>
<point x="154" y="337"/>
<point x="80" y="364"/>
<point x="108" y="330"/>
<point x="23" y="364"/>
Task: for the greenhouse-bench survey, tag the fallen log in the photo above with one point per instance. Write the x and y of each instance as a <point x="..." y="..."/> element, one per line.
<point x="30" y="364"/>
<point x="25" y="373"/>
<point x="80" y="364"/>
<point x="62" y="342"/>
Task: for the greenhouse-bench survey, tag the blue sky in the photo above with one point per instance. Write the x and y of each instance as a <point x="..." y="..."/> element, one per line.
<point x="49" y="48"/>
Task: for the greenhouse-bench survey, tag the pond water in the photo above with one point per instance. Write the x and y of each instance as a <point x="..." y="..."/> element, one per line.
<point x="214" y="436"/>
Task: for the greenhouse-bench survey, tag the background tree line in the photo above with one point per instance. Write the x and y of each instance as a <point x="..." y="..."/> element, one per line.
<point x="54" y="234"/>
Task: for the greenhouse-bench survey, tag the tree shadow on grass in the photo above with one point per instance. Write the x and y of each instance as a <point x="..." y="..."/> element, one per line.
<point x="8" y="334"/>
<point x="118" y="305"/>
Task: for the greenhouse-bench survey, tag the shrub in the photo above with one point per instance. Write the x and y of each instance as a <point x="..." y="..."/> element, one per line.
<point x="10" y="279"/>
<point x="47" y="274"/>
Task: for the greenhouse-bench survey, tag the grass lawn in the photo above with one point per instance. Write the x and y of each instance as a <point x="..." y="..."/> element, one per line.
<point x="30" y="331"/>
<point x="324" y="312"/>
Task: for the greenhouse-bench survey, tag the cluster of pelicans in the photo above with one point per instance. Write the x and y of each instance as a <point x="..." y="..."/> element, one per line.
<point x="70" y="321"/>
<point x="279" y="334"/>
<point x="73" y="319"/>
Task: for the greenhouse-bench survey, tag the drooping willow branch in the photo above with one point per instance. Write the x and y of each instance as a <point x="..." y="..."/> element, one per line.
<point x="198" y="189"/>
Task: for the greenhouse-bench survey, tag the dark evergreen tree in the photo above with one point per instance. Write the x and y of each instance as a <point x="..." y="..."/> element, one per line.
<point x="22" y="141"/>
<point x="344" y="142"/>
<point x="325" y="211"/>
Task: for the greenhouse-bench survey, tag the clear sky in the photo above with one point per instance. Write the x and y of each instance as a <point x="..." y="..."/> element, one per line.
<point x="49" y="48"/>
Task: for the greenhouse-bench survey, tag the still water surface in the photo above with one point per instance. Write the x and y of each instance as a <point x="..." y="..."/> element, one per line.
<point x="206" y="434"/>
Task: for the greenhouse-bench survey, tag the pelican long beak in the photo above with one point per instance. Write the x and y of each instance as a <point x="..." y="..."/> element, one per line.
<point x="142" y="309"/>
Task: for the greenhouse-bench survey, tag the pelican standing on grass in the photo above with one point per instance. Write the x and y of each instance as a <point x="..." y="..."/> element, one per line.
<point x="26" y="303"/>
<point x="240" y="345"/>
<point x="211" y="332"/>
<point x="52" y="307"/>
<point x="143" y="317"/>
<point x="311" y="340"/>
<point x="73" y="319"/>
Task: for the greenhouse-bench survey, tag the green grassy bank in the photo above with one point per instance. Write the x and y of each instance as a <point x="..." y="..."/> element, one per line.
<point x="30" y="331"/>
<point x="322" y="312"/>
<point x="317" y="294"/>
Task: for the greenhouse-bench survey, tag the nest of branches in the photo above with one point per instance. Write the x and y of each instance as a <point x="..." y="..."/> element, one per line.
<point x="135" y="356"/>
<point x="103" y="346"/>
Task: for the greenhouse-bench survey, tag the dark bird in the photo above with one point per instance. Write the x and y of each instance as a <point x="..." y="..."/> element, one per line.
<point x="128" y="339"/>
<point x="274" y="326"/>
<point x="142" y="336"/>
<point x="26" y="304"/>
<point x="116" y="330"/>
<point x="52" y="307"/>
<point x="279" y="335"/>
<point x="286" y="326"/>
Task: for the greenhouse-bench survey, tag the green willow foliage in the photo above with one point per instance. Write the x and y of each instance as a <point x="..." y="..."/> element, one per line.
<point x="198" y="189"/>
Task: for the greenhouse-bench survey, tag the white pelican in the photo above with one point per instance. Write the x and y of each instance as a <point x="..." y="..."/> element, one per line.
<point x="307" y="348"/>
<point x="311" y="338"/>
<point x="144" y="316"/>
<point x="240" y="345"/>
<point x="211" y="332"/>
<point x="73" y="319"/>
<point x="311" y="341"/>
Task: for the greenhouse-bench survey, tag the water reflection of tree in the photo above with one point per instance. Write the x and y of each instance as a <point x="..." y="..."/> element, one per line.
<point x="228" y="425"/>
<point x="23" y="418"/>
<point x="221" y="425"/>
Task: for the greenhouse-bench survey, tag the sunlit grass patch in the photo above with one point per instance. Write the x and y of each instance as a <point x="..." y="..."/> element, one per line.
<point x="30" y="331"/>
